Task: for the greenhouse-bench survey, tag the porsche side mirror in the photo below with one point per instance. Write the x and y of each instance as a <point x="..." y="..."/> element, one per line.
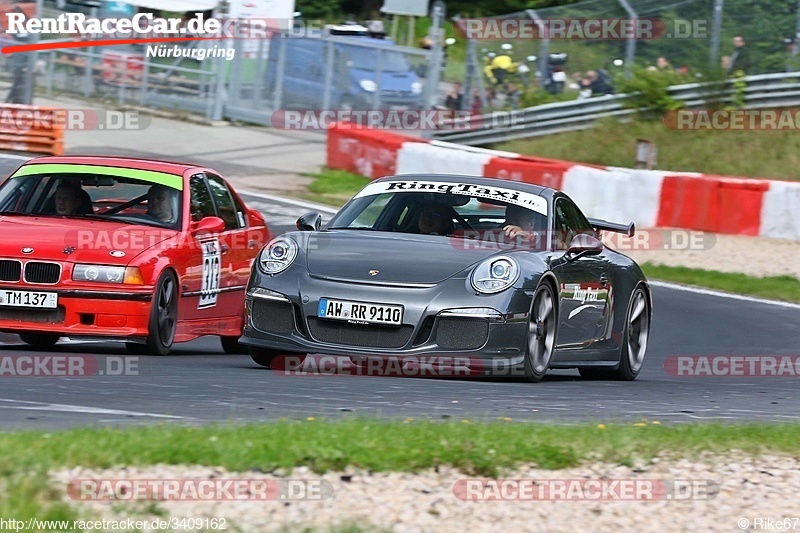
<point x="582" y="245"/>
<point x="309" y="222"/>
<point x="208" y="225"/>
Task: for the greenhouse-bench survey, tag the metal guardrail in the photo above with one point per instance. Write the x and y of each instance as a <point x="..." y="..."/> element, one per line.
<point x="762" y="91"/>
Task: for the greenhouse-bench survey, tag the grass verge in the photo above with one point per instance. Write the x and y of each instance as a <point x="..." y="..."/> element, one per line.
<point x="333" y="187"/>
<point x="763" y="154"/>
<point x="474" y="447"/>
<point x="783" y="288"/>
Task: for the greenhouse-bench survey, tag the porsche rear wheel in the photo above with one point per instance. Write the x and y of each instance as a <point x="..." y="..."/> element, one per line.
<point x="164" y="315"/>
<point x="541" y="333"/>
<point x="635" y="337"/>
<point x="633" y="345"/>
<point x="40" y="340"/>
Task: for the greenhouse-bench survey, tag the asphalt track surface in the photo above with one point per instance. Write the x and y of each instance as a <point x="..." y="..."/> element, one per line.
<point x="199" y="384"/>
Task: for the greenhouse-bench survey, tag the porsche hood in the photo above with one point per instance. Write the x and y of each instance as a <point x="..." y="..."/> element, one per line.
<point x="392" y="257"/>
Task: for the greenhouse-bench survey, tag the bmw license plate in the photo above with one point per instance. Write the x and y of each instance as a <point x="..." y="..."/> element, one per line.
<point x="360" y="312"/>
<point x="36" y="300"/>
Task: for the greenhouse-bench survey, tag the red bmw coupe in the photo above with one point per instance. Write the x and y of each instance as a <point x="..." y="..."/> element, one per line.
<point x="147" y="252"/>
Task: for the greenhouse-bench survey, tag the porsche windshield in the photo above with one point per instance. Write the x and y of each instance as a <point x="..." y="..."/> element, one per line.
<point x="96" y="196"/>
<point x="386" y="206"/>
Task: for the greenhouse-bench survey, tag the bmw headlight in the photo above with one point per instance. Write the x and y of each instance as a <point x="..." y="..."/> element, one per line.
<point x="278" y="255"/>
<point x="494" y="275"/>
<point x="368" y="85"/>
<point x="107" y="274"/>
<point x="416" y="87"/>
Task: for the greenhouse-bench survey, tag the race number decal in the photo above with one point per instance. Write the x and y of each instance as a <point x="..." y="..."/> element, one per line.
<point x="211" y="274"/>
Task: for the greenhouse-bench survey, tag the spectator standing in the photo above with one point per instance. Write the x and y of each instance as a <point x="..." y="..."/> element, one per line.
<point x="455" y="98"/>
<point x="740" y="58"/>
<point x="477" y="102"/>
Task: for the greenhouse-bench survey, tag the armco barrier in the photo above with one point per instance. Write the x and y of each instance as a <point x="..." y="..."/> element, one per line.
<point x="32" y="129"/>
<point x="649" y="198"/>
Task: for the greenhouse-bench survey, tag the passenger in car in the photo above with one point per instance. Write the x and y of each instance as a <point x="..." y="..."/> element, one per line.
<point x="69" y="199"/>
<point x="436" y="219"/>
<point x="159" y="204"/>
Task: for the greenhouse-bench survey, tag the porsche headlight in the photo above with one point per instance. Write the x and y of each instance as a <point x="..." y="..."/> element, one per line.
<point x="278" y="255"/>
<point x="416" y="87"/>
<point x="106" y="274"/>
<point x="494" y="275"/>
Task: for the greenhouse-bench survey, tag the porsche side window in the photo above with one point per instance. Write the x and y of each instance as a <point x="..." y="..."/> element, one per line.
<point x="569" y="222"/>
<point x="222" y="197"/>
<point x="202" y="205"/>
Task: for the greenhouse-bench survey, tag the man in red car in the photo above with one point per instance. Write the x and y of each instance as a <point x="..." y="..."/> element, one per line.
<point x="68" y="198"/>
<point x="159" y="205"/>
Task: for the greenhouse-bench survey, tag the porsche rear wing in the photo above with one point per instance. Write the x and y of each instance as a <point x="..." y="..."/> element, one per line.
<point x="598" y="224"/>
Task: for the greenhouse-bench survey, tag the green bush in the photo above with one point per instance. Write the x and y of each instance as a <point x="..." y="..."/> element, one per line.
<point x="649" y="90"/>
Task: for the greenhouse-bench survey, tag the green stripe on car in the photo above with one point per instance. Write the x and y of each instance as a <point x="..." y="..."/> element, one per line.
<point x="150" y="176"/>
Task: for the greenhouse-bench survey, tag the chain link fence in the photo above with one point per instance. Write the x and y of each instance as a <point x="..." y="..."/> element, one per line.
<point x="687" y="37"/>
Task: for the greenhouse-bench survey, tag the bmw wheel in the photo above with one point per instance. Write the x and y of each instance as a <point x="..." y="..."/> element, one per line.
<point x="541" y="333"/>
<point x="164" y="315"/>
<point x="40" y="340"/>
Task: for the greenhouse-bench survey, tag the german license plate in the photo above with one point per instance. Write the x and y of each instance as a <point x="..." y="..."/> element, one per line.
<point x="37" y="300"/>
<point x="360" y="312"/>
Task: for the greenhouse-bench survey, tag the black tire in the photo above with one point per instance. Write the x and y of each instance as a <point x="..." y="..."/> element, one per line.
<point x="541" y="333"/>
<point x="266" y="357"/>
<point x="262" y="356"/>
<point x="40" y="340"/>
<point x="163" y="316"/>
<point x="231" y="346"/>
<point x="634" y="337"/>
<point x="134" y="348"/>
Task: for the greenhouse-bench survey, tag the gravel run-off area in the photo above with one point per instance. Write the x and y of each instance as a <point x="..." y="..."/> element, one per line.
<point x="729" y="489"/>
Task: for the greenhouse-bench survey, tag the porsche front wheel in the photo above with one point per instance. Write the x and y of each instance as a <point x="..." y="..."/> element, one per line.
<point x="262" y="356"/>
<point x="541" y="333"/>
<point x="231" y="346"/>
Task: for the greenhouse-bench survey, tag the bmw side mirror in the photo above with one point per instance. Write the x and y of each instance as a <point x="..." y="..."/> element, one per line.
<point x="584" y="244"/>
<point x="309" y="222"/>
<point x="208" y="225"/>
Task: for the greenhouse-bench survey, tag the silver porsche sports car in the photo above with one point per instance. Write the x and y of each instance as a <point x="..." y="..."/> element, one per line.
<point x="504" y="277"/>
